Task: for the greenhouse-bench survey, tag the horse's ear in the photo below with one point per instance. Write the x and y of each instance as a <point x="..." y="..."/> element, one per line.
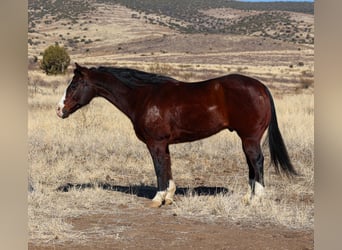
<point x="80" y="69"/>
<point x="78" y="66"/>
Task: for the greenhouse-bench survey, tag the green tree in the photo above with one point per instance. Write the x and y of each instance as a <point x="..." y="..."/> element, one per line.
<point x="55" y="60"/>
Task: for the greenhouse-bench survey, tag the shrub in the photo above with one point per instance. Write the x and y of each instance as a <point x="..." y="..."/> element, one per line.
<point x="306" y="82"/>
<point x="55" y="60"/>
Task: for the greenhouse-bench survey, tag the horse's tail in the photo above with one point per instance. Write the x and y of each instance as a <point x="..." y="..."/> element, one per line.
<point x="279" y="155"/>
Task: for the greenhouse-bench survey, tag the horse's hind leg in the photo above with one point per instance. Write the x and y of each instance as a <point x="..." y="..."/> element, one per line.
<point x="162" y="165"/>
<point x="255" y="161"/>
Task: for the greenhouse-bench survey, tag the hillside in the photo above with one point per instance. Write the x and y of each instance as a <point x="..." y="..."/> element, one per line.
<point x="274" y="20"/>
<point x="198" y="16"/>
<point x="188" y="40"/>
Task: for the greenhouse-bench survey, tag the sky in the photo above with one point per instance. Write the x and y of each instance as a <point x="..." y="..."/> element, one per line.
<point x="276" y="0"/>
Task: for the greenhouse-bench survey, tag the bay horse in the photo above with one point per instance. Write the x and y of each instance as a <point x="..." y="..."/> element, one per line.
<point x="165" y="111"/>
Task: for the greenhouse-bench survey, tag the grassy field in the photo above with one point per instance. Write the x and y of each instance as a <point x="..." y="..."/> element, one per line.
<point x="97" y="145"/>
<point x="95" y="156"/>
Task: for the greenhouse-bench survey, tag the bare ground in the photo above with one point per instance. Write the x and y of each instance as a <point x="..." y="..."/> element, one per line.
<point x="136" y="226"/>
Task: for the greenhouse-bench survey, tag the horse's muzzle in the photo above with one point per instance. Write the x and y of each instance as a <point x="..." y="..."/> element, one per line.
<point x="60" y="113"/>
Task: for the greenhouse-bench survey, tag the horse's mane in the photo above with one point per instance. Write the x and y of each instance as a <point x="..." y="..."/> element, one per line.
<point x="135" y="78"/>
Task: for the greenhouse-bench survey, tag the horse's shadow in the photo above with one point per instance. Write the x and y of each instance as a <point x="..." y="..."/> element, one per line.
<point x="144" y="191"/>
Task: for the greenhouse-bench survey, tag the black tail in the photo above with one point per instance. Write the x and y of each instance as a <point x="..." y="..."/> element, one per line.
<point x="279" y="155"/>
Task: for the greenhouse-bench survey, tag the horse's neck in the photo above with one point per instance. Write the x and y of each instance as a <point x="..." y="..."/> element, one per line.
<point x="116" y="93"/>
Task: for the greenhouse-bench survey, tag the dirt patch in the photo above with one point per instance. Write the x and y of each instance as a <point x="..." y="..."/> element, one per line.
<point x="135" y="226"/>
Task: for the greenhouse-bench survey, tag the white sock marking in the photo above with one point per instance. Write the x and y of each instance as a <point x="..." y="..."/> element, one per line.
<point x="167" y="195"/>
<point x="259" y="190"/>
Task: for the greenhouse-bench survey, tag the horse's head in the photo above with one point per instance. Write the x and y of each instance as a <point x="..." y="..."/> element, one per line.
<point x="78" y="94"/>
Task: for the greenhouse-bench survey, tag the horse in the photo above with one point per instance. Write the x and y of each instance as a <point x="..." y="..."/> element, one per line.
<point x="166" y="111"/>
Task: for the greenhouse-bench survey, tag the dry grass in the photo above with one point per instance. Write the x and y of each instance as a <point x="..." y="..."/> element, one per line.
<point x="97" y="144"/>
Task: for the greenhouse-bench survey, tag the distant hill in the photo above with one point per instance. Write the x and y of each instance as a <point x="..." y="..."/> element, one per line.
<point x="265" y="19"/>
<point x="181" y="7"/>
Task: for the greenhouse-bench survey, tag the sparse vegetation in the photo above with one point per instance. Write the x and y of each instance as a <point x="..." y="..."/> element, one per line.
<point x="162" y="69"/>
<point x="191" y="17"/>
<point x="306" y="82"/>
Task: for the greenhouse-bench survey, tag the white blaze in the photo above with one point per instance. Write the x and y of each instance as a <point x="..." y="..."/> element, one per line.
<point x="60" y="105"/>
<point x="61" y="101"/>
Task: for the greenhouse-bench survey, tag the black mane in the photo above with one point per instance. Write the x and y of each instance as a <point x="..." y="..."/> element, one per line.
<point x="135" y="78"/>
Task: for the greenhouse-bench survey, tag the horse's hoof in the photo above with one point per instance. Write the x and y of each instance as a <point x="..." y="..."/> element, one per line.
<point x="168" y="201"/>
<point x="155" y="204"/>
<point x="246" y="199"/>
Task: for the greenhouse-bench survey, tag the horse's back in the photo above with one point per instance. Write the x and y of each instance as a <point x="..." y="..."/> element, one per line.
<point x="237" y="81"/>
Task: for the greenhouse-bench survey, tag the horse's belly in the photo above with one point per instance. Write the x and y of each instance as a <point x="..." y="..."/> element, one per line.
<point x="181" y="123"/>
<point x="194" y="124"/>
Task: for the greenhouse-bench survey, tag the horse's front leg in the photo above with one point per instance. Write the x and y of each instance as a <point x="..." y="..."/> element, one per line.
<point x="162" y="165"/>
